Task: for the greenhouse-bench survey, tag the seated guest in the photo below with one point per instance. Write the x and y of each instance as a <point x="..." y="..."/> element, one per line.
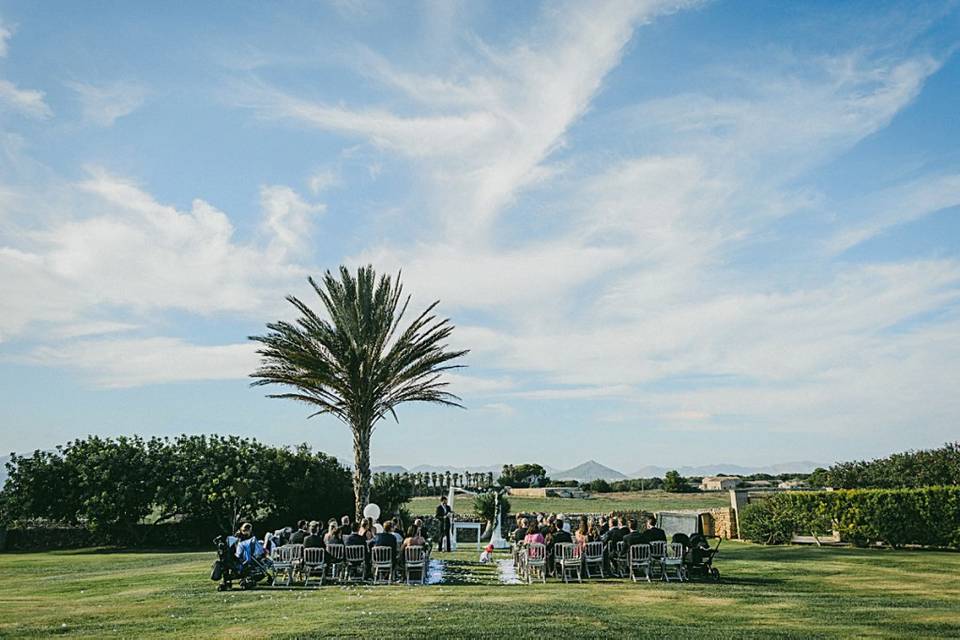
<point x="653" y="532"/>
<point x="300" y="534"/>
<point x="533" y="535"/>
<point x="245" y="531"/>
<point x="366" y="529"/>
<point x="594" y="534"/>
<point x="314" y="539"/>
<point x="560" y="534"/>
<point x="413" y="539"/>
<point x="355" y="538"/>
<point x="397" y="530"/>
<point x="521" y="531"/>
<point x="333" y="536"/>
<point x="604" y="527"/>
<point x="616" y="532"/>
<point x="582" y="537"/>
<point x="632" y="538"/>
<point x="386" y="539"/>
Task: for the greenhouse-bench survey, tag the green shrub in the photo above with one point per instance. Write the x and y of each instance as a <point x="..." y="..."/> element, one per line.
<point x="896" y="517"/>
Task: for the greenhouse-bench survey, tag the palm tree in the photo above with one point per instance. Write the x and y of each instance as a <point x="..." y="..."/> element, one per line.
<point x="353" y="363"/>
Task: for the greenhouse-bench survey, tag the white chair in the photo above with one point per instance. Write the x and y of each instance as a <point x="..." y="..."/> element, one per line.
<point x="535" y="561"/>
<point x="593" y="557"/>
<point x="283" y="565"/>
<point x="658" y="551"/>
<point x="673" y="562"/>
<point x="639" y="561"/>
<point x="619" y="560"/>
<point x="336" y="560"/>
<point x="568" y="560"/>
<point x="355" y="567"/>
<point x="381" y="564"/>
<point x="313" y="564"/>
<point x="415" y="561"/>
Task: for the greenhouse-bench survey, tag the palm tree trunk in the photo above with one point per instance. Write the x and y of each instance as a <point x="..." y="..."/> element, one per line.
<point x="361" y="471"/>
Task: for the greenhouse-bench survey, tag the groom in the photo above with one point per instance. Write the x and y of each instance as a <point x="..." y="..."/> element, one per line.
<point x="444" y="514"/>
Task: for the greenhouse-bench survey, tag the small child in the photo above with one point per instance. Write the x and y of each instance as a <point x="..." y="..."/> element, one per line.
<point x="486" y="556"/>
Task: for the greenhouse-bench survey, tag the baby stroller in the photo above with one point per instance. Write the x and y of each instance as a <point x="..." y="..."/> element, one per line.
<point x="698" y="556"/>
<point x="244" y="561"/>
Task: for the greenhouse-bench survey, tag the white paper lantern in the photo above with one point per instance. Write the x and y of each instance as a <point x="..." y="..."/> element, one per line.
<point x="378" y="527"/>
<point x="371" y="511"/>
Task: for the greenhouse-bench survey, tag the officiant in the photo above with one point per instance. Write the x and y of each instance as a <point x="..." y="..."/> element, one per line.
<point x="445" y="515"/>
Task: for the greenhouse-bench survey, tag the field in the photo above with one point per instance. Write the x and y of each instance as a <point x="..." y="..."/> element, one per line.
<point x="598" y="503"/>
<point x="766" y="592"/>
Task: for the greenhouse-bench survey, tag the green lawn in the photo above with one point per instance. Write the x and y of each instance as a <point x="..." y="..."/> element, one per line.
<point x="767" y="592"/>
<point x="599" y="503"/>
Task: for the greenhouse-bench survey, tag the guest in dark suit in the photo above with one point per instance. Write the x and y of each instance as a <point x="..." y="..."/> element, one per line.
<point x="301" y="533"/>
<point x="445" y="515"/>
<point x="653" y="532"/>
<point x="355" y="537"/>
<point x="633" y="537"/>
<point x="561" y="535"/>
<point x="386" y="539"/>
<point x="314" y="539"/>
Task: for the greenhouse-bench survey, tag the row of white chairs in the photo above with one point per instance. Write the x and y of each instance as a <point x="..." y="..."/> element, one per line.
<point x="571" y="560"/>
<point x="347" y="564"/>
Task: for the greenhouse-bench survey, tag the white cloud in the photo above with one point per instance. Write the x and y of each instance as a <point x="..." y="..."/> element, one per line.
<point x="485" y="138"/>
<point x="28" y="102"/>
<point x="288" y="220"/>
<point x="102" y="105"/>
<point x="897" y="205"/>
<point x="134" y="362"/>
<point x="323" y="179"/>
<point x="134" y="254"/>
<point x="5" y="34"/>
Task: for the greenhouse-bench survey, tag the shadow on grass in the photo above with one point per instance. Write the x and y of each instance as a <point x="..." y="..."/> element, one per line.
<point x="117" y="550"/>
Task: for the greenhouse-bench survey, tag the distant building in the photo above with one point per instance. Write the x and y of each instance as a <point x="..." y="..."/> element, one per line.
<point x="719" y="483"/>
<point x="793" y="483"/>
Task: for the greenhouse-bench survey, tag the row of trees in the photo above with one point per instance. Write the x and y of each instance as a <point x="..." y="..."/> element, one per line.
<point x="932" y="467"/>
<point x="110" y="485"/>
<point x="432" y="483"/>
<point x="672" y="482"/>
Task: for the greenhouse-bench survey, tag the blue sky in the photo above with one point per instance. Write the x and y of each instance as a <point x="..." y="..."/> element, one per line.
<point x="670" y="232"/>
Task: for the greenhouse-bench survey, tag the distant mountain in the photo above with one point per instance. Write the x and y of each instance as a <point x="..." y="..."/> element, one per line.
<point x="804" y="466"/>
<point x="388" y="468"/>
<point x="589" y="470"/>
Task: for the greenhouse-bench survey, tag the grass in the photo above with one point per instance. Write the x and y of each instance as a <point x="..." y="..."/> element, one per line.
<point x="766" y="592"/>
<point x="600" y="503"/>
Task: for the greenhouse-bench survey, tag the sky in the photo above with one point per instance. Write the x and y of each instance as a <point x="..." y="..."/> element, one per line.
<point x="669" y="232"/>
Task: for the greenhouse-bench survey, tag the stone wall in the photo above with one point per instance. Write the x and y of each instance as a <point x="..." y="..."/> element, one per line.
<point x="721" y="522"/>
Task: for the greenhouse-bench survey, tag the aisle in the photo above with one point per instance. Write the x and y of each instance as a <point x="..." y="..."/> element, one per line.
<point x="463" y="567"/>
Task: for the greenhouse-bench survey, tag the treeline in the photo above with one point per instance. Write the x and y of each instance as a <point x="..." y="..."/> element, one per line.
<point x="925" y="468"/>
<point x="432" y="483"/>
<point x="112" y="485"/>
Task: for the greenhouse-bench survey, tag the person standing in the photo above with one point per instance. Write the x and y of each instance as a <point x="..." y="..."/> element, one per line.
<point x="445" y="515"/>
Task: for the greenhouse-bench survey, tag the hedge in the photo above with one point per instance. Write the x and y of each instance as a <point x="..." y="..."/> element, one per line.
<point x="929" y="516"/>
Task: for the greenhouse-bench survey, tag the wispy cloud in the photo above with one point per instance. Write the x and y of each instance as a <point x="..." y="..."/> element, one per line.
<point x="28" y="102"/>
<point x="484" y="139"/>
<point x="102" y="105"/>
<point x="5" y="34"/>
<point x="134" y="362"/>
